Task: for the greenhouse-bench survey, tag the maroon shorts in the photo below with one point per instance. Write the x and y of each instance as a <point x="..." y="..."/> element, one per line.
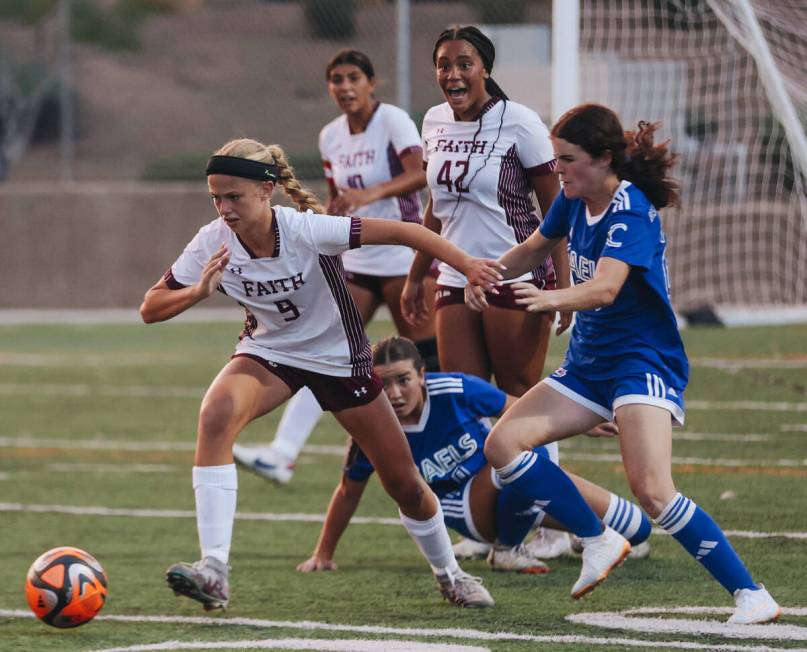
<point x="449" y="296"/>
<point x="333" y="393"/>
<point x="373" y="284"/>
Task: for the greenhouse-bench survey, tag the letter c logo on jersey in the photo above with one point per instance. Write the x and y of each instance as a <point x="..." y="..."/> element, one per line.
<point x="614" y="228"/>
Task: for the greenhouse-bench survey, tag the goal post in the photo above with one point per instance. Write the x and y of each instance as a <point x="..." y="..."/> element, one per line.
<point x="727" y="80"/>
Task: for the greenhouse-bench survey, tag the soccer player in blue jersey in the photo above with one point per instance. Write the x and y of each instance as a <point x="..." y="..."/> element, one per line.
<point x="625" y="359"/>
<point x="445" y="419"/>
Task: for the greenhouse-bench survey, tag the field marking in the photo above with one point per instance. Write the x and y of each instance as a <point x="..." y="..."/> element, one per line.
<point x="326" y="645"/>
<point x="750" y="363"/>
<point x="62" y="467"/>
<point x="793" y="427"/>
<point x="172" y="391"/>
<point x="73" y="360"/>
<point x="633" y="620"/>
<point x="443" y="633"/>
<point x="691" y="461"/>
<point x="290" y="517"/>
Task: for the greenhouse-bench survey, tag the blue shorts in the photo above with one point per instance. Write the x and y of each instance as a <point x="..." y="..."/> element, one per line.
<point x="603" y="397"/>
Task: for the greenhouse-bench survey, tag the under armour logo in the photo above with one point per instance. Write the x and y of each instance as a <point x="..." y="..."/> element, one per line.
<point x="235" y="270"/>
<point x="359" y="392"/>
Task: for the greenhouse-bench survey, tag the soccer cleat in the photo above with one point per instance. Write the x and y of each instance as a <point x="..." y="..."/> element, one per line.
<point x="601" y="554"/>
<point x="640" y="550"/>
<point x="463" y="590"/>
<point x="266" y="462"/>
<point x="754" y="607"/>
<point x="518" y="559"/>
<point x="470" y="549"/>
<point x="549" y="544"/>
<point x="204" y="581"/>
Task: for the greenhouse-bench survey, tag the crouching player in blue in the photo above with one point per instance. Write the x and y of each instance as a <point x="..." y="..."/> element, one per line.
<point x="625" y="358"/>
<point x="445" y="419"/>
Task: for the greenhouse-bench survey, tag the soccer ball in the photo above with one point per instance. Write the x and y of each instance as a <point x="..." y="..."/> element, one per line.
<point x="66" y="587"/>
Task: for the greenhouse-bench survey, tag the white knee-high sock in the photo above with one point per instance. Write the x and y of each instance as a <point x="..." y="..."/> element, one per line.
<point x="216" y="490"/>
<point x="431" y="537"/>
<point x="299" y="418"/>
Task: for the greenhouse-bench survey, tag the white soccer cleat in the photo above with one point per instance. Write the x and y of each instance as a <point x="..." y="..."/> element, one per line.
<point x="265" y="462"/>
<point x="205" y="581"/>
<point x="470" y="549"/>
<point x="463" y="590"/>
<point x="516" y="559"/>
<point x="754" y="607"/>
<point x="549" y="544"/>
<point x="640" y="550"/>
<point x="601" y="554"/>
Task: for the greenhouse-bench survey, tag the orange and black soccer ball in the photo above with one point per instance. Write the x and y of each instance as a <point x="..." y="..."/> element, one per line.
<point x="66" y="587"/>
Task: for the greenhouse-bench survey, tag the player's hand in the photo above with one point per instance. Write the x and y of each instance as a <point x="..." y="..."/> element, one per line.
<point x="531" y="297"/>
<point x="475" y="298"/>
<point x="484" y="272"/>
<point x="564" y="322"/>
<point x="413" y="303"/>
<point x="316" y="563"/>
<point x="349" y="199"/>
<point x="213" y="271"/>
<point x="604" y="429"/>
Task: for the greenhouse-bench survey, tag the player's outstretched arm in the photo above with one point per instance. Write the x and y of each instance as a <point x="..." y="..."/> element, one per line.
<point x="609" y="277"/>
<point x="161" y="302"/>
<point x="483" y="272"/>
<point x="344" y="501"/>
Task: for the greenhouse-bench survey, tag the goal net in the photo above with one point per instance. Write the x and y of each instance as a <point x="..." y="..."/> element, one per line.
<point x="734" y="106"/>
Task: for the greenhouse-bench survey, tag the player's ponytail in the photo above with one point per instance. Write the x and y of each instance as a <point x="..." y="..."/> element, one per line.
<point x="274" y="155"/>
<point x="634" y="157"/>
<point x="396" y="348"/>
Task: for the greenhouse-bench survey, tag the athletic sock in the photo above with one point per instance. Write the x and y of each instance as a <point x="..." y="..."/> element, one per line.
<point x="216" y="490"/>
<point x="538" y="479"/>
<point x="431" y="538"/>
<point x="702" y="538"/>
<point x="299" y="418"/>
<point x="627" y="519"/>
<point x="515" y="516"/>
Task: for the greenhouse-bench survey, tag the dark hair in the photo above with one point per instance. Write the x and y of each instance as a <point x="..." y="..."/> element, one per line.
<point x="352" y="57"/>
<point x="596" y="129"/>
<point x="482" y="44"/>
<point x="396" y="348"/>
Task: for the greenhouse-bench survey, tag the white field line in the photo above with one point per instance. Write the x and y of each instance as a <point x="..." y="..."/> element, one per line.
<point x="87" y="510"/>
<point x="634" y="620"/>
<point x="36" y="442"/>
<point x="793" y="427"/>
<point x="172" y="391"/>
<point x="736" y="364"/>
<point x="446" y="633"/>
<point x="337" y="645"/>
<point x="73" y="360"/>
<point x="694" y="461"/>
<point x="109" y="468"/>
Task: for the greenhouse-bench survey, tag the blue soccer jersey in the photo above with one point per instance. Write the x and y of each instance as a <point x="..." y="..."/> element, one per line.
<point x="447" y="444"/>
<point x="638" y="330"/>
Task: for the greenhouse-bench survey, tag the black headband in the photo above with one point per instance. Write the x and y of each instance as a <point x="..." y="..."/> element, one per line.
<point x="235" y="166"/>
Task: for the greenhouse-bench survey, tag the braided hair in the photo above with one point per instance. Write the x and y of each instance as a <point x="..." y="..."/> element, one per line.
<point x="247" y="148"/>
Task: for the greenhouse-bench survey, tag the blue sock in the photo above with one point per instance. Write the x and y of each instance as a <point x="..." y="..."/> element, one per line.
<point x="515" y="516"/>
<point x="538" y="480"/>
<point x="704" y="540"/>
<point x="627" y="519"/>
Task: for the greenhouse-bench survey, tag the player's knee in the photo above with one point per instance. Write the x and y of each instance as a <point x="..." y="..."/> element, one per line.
<point x="216" y="419"/>
<point x="501" y="446"/>
<point x="407" y="493"/>
<point x="651" y="494"/>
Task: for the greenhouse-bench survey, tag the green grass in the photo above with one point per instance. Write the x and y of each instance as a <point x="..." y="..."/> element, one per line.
<point x="382" y="580"/>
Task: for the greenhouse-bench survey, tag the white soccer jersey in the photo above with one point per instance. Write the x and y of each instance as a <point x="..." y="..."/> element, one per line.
<point x="479" y="178"/>
<point x="368" y="159"/>
<point x="299" y="311"/>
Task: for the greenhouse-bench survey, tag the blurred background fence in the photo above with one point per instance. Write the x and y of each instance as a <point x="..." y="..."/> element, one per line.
<point x="109" y="108"/>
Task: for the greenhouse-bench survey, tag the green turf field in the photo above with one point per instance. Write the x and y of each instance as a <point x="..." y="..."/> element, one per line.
<point x="105" y="416"/>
